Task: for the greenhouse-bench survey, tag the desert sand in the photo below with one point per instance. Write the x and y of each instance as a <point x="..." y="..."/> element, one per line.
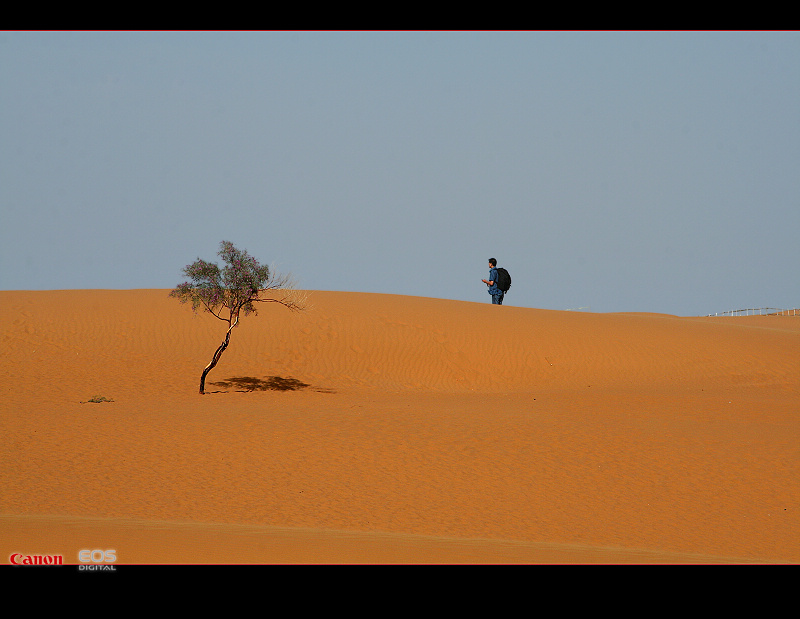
<point x="392" y="429"/>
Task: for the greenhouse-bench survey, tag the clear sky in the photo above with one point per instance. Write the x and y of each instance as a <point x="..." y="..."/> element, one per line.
<point x="617" y="171"/>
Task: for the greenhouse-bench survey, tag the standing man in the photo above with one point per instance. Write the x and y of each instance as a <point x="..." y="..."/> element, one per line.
<point x="497" y="294"/>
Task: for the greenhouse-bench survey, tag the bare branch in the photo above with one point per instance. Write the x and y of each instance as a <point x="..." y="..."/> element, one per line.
<point x="213" y="313"/>
<point x="282" y="289"/>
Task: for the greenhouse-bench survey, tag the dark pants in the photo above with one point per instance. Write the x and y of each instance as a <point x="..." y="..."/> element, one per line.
<point x="497" y="299"/>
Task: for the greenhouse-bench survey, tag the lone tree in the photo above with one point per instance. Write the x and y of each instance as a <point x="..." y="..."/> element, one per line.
<point x="233" y="290"/>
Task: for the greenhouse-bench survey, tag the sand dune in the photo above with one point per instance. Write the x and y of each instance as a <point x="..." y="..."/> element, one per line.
<point x="392" y="429"/>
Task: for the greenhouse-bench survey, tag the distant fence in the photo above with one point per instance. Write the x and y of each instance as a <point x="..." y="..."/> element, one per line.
<point x="760" y="311"/>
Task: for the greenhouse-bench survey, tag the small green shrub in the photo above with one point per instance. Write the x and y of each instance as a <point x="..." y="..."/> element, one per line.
<point x="99" y="398"/>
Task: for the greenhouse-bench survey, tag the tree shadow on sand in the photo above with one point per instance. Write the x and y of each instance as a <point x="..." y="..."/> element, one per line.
<point x="270" y="383"/>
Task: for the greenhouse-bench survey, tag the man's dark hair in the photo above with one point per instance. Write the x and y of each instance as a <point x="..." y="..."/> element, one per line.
<point x="493" y="262"/>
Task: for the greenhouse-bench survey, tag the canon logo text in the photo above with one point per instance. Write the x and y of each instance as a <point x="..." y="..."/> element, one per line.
<point x="20" y="559"/>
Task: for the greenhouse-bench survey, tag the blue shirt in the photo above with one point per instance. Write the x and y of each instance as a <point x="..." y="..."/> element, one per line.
<point x="493" y="289"/>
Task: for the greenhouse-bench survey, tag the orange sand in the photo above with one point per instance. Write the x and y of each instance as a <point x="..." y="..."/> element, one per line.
<point x="431" y="431"/>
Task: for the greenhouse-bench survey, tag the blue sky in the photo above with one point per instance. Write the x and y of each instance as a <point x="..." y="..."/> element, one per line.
<point x="620" y="171"/>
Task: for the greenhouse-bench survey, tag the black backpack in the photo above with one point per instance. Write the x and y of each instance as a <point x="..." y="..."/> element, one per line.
<point x="503" y="279"/>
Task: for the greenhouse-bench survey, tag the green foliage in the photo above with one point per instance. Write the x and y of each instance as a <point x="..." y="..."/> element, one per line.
<point x="234" y="287"/>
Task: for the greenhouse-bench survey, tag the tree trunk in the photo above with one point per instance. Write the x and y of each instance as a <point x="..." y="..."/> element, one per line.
<point x="217" y="355"/>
